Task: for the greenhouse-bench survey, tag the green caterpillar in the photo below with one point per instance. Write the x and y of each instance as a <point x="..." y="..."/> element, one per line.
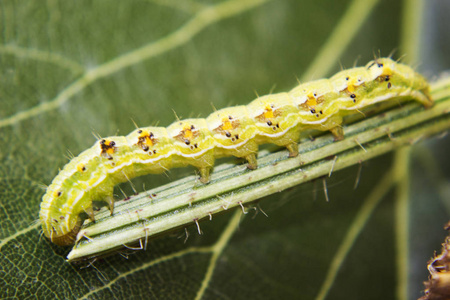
<point x="234" y="131"/>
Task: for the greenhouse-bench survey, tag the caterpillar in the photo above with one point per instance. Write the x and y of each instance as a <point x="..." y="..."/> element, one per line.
<point x="235" y="131"/>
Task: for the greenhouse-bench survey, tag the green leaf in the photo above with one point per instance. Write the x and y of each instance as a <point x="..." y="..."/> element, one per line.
<point x="72" y="68"/>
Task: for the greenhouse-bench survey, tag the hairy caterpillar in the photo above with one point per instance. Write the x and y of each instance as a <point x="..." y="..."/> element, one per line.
<point x="235" y="131"/>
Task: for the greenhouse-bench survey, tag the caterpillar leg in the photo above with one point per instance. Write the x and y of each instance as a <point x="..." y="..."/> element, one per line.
<point x="110" y="201"/>
<point x="204" y="174"/>
<point x="293" y="149"/>
<point x="90" y="212"/>
<point x="338" y="133"/>
<point x="423" y="97"/>
<point x="252" y="163"/>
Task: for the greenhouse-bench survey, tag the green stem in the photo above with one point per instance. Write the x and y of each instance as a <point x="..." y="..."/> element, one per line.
<point x="184" y="202"/>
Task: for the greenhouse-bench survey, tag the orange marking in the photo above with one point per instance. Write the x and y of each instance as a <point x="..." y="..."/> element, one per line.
<point x="145" y="137"/>
<point x="312" y="101"/>
<point x="107" y="147"/>
<point x="268" y="114"/>
<point x="148" y="141"/>
<point x="188" y="132"/>
<point x="226" y="124"/>
<point x="351" y="87"/>
<point x="110" y="149"/>
<point x="387" y="71"/>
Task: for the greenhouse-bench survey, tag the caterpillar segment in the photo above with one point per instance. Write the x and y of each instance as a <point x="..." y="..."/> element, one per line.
<point x="235" y="131"/>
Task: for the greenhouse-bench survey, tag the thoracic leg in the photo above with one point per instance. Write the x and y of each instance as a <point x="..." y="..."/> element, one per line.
<point x="110" y="201"/>
<point x="90" y="212"/>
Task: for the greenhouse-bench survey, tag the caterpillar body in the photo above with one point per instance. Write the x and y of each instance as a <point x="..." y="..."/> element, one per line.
<point x="234" y="131"/>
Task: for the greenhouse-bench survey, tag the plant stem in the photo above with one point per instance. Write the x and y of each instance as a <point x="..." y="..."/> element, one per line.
<point x="186" y="201"/>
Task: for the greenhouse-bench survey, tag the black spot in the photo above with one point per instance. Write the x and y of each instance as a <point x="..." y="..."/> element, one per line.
<point x="274" y="128"/>
<point x="230" y="118"/>
<point x="83" y="168"/>
<point x="387" y="78"/>
<point x="271" y="106"/>
<point x="54" y="220"/>
<point x="269" y="123"/>
<point x="151" y="134"/>
<point x="139" y="131"/>
<point x="196" y="145"/>
<point x="192" y="127"/>
<point x="315" y="95"/>
<point x="145" y="148"/>
<point x="187" y="142"/>
<point x="154" y="151"/>
<point x="317" y="115"/>
<point x="313" y="111"/>
<point x="353" y="96"/>
<point x="347" y="78"/>
<point x="389" y="85"/>
<point x="278" y="125"/>
<point x="112" y="144"/>
<point x="228" y="134"/>
<point x="233" y="139"/>
<point x="59" y="194"/>
<point x="237" y="136"/>
<point x="379" y="65"/>
<point x="191" y="147"/>
<point x="321" y="112"/>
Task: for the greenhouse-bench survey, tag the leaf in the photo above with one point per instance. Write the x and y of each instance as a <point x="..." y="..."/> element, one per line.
<point x="71" y="68"/>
